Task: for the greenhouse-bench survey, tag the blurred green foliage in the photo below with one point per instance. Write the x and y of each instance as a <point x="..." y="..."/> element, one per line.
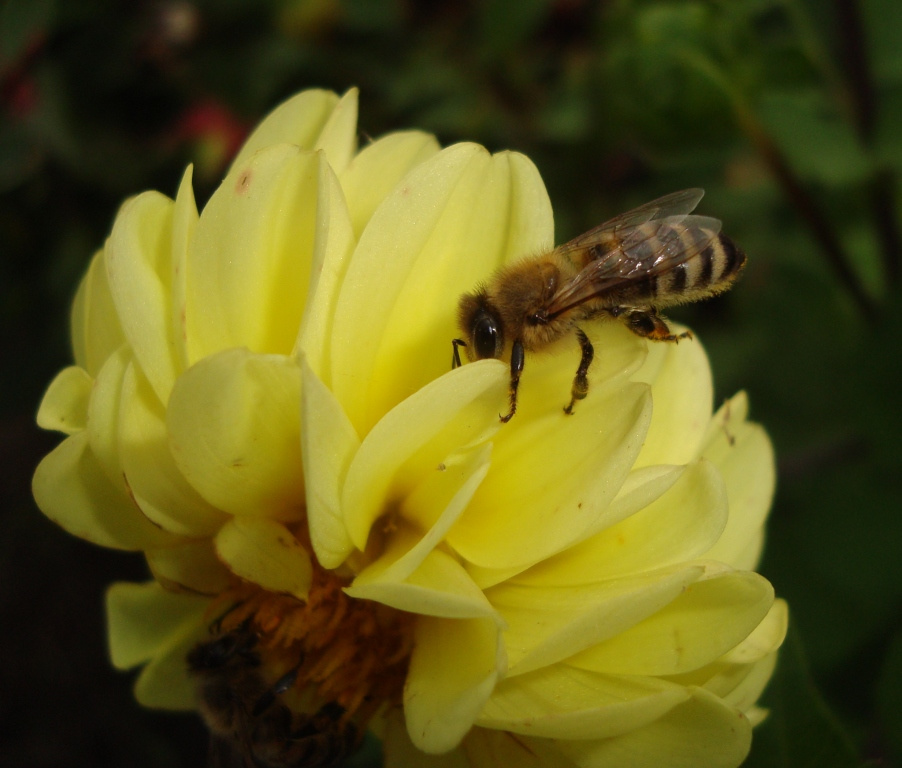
<point x="789" y="112"/>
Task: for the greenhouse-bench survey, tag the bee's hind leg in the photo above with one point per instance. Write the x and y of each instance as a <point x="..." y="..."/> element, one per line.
<point x="581" y="380"/>
<point x="645" y="322"/>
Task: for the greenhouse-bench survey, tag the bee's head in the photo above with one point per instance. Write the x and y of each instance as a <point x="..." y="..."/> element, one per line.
<point x="481" y="324"/>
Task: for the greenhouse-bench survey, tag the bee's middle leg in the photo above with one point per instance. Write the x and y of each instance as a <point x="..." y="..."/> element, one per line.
<point x="646" y="322"/>
<point x="581" y="380"/>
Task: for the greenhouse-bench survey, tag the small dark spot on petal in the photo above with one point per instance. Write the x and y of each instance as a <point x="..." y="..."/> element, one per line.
<point x="243" y="183"/>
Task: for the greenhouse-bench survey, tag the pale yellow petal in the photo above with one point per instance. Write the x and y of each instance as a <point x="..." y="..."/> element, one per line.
<point x="748" y="557"/>
<point x="328" y="446"/>
<point x="78" y="318"/>
<point x="378" y="167"/>
<point x="487" y="748"/>
<point x="530" y="228"/>
<point x="445" y="227"/>
<point x="438" y="586"/>
<point x="299" y="120"/>
<point x="641" y="488"/>
<point x="338" y="138"/>
<point x="765" y="639"/>
<point x="189" y="567"/>
<point x="139" y="268"/>
<point x="142" y="617"/>
<point x="184" y="221"/>
<point x="744" y="454"/>
<point x="740" y="675"/>
<point x="682" y="390"/>
<point x="756" y="715"/>
<point x="265" y="552"/>
<point x="235" y="433"/>
<point x="566" y="703"/>
<point x="744" y="686"/>
<point x="449" y="488"/>
<point x="96" y="331"/>
<point x="700" y="733"/>
<point x="71" y="488"/>
<point x="154" y="480"/>
<point x="723" y="425"/>
<point x="333" y="245"/>
<point x="455" y="412"/>
<point x="249" y="261"/>
<point x="165" y="682"/>
<point x="364" y="184"/>
<point x="103" y="414"/>
<point x="453" y="669"/>
<point x="489" y="577"/>
<point x="555" y="474"/>
<point x="704" y="622"/>
<point x="548" y="624"/>
<point x="679" y="525"/>
<point x="578" y="564"/>
<point x="64" y="406"/>
<point x="398" y="750"/>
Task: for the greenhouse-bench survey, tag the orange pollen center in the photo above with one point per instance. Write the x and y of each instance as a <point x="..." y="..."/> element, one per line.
<point x="351" y="652"/>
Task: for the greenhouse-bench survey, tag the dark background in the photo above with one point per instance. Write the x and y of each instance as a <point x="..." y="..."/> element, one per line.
<point x="788" y="112"/>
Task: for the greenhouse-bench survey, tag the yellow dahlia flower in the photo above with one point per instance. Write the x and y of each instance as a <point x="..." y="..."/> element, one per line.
<point x="261" y="403"/>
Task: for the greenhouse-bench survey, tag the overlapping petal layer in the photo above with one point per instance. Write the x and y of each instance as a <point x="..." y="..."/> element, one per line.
<point x="262" y="397"/>
<point x="234" y="432"/>
<point x="451" y="219"/>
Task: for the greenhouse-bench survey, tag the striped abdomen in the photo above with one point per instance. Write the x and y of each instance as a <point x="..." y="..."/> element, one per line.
<point x="706" y="273"/>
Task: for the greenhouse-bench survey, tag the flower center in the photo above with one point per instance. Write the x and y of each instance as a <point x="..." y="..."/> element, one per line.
<point x="345" y="651"/>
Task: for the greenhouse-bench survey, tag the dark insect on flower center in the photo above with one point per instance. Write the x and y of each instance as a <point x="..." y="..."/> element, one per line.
<point x="331" y="660"/>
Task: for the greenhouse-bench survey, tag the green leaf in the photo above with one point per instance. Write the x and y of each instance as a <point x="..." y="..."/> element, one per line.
<point x="505" y="24"/>
<point x="801" y="732"/>
<point x="819" y="144"/>
<point x="883" y="28"/>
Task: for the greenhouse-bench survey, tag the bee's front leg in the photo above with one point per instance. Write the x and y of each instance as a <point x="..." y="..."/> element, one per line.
<point x="518" y="357"/>
<point x="581" y="380"/>
<point x="455" y="354"/>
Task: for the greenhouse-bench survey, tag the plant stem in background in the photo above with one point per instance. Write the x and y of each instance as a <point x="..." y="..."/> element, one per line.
<point x="818" y="224"/>
<point x="863" y="101"/>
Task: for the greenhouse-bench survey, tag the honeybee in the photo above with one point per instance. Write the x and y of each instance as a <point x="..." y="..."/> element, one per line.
<point x="250" y="727"/>
<point x="628" y="268"/>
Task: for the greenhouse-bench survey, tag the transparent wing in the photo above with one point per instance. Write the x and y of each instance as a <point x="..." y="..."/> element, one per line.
<point x="631" y="251"/>
<point x="675" y="206"/>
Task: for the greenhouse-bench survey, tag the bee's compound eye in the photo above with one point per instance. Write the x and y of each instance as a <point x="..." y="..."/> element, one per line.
<point x="485" y="336"/>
